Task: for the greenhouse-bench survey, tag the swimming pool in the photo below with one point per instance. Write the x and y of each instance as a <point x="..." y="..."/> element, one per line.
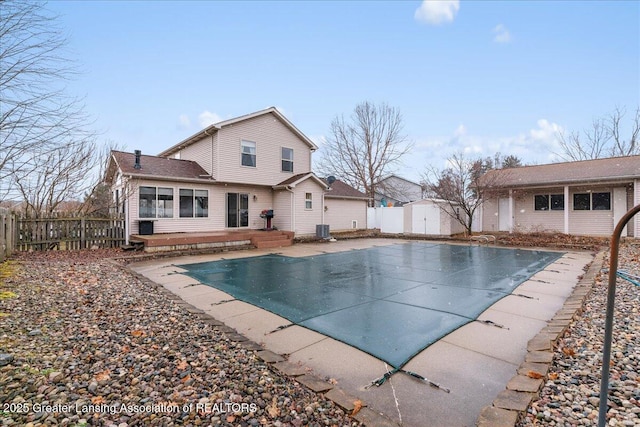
<point x="391" y="301"/>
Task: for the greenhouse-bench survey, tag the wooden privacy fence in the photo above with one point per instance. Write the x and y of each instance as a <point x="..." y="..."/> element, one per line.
<point x="69" y="233"/>
<point x="7" y="233"/>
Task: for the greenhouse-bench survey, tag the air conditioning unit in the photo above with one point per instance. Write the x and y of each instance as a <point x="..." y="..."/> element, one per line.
<point x="322" y="231"/>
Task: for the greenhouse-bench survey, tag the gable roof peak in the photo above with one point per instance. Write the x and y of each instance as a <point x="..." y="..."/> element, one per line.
<point x="216" y="127"/>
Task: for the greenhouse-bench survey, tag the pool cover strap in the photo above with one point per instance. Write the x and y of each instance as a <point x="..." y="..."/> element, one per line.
<point x="379" y="381"/>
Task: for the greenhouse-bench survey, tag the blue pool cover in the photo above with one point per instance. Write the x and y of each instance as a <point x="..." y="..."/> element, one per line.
<point x="389" y="301"/>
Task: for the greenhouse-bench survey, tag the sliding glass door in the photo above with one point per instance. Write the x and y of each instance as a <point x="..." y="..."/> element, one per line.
<point x="237" y="210"/>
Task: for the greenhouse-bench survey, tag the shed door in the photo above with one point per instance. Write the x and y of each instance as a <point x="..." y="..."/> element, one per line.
<point x="425" y="219"/>
<point x="504" y="221"/>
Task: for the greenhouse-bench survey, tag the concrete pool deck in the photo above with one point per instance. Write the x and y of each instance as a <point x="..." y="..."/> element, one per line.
<point x="474" y="362"/>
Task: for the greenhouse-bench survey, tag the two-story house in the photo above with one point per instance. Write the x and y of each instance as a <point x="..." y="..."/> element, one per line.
<point x="225" y="176"/>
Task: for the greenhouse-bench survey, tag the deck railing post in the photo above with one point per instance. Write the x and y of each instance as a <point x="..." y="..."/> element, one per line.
<point x="608" y="325"/>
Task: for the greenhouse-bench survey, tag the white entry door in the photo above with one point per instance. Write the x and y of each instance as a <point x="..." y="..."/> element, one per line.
<point x="619" y="206"/>
<point x="425" y="219"/>
<point x="504" y="219"/>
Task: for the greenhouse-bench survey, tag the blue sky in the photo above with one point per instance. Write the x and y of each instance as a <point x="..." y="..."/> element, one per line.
<point x="476" y="76"/>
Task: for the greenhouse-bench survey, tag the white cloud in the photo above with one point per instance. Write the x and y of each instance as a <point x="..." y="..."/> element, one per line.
<point x="501" y="34"/>
<point x="460" y="131"/>
<point x="436" y="12"/>
<point x="545" y="130"/>
<point x="536" y="145"/>
<point x="184" y="122"/>
<point x="207" y="118"/>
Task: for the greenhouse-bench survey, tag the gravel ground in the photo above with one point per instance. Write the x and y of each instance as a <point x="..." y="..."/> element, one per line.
<point x="83" y="342"/>
<point x="570" y="396"/>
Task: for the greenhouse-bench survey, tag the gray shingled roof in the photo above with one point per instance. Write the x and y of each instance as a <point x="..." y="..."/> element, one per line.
<point x="159" y="167"/>
<point x="341" y="189"/>
<point x="587" y="171"/>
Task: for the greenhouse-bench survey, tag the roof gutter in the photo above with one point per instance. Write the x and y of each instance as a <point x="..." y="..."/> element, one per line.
<point x="170" y="178"/>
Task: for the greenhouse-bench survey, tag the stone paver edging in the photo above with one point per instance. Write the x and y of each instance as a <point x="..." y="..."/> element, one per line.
<point x="513" y="402"/>
<point x="279" y="363"/>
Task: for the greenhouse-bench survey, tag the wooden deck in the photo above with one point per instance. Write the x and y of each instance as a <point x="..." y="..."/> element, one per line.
<point x="213" y="239"/>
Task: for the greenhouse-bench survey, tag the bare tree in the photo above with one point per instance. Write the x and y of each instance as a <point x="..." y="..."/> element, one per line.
<point x="622" y="146"/>
<point x="461" y="188"/>
<point x="40" y="125"/>
<point x="363" y="149"/>
<point x="56" y="175"/>
<point x="605" y="138"/>
<point x="98" y="200"/>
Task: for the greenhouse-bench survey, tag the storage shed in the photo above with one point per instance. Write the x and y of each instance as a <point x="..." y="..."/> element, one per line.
<point x="429" y="217"/>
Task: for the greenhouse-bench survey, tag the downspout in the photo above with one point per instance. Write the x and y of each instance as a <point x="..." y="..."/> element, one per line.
<point x="127" y="215"/>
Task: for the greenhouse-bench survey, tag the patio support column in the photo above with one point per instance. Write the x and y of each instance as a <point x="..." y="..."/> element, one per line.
<point x="636" y="202"/>
<point x="566" y="209"/>
<point x="511" y="211"/>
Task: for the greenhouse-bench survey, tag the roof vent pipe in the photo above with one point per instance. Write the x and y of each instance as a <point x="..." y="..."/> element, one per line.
<point x="136" y="165"/>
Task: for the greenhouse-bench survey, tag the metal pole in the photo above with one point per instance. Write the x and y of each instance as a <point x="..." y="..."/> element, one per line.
<point x="608" y="326"/>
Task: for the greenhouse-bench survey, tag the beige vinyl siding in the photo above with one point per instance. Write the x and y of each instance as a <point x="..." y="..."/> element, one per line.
<point x="449" y="225"/>
<point x="341" y="212"/>
<point x="490" y="215"/>
<point x="527" y="219"/>
<point x="270" y="135"/>
<point x="593" y="223"/>
<point x="175" y="224"/>
<point x="264" y="200"/>
<point x="217" y="207"/>
<point x="307" y="219"/>
<point x="282" y="205"/>
<point x="201" y="152"/>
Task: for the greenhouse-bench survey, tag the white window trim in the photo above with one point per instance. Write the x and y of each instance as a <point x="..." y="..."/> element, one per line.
<point x="308" y="200"/>
<point x="255" y="147"/>
<point x="282" y="159"/>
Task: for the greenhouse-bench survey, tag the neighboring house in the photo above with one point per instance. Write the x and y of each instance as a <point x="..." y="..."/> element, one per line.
<point x="222" y="178"/>
<point x="345" y="208"/>
<point x="397" y="191"/>
<point x="581" y="198"/>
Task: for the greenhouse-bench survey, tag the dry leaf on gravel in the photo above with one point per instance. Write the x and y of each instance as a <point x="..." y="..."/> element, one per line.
<point x="273" y="409"/>
<point x="534" y="375"/>
<point x="357" y="405"/>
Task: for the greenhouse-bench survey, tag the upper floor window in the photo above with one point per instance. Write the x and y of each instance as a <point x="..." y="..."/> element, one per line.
<point x="155" y="202"/>
<point x="194" y="203"/>
<point x="545" y="202"/>
<point x="592" y="201"/>
<point x="248" y="153"/>
<point x="287" y="159"/>
<point x="308" y="201"/>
